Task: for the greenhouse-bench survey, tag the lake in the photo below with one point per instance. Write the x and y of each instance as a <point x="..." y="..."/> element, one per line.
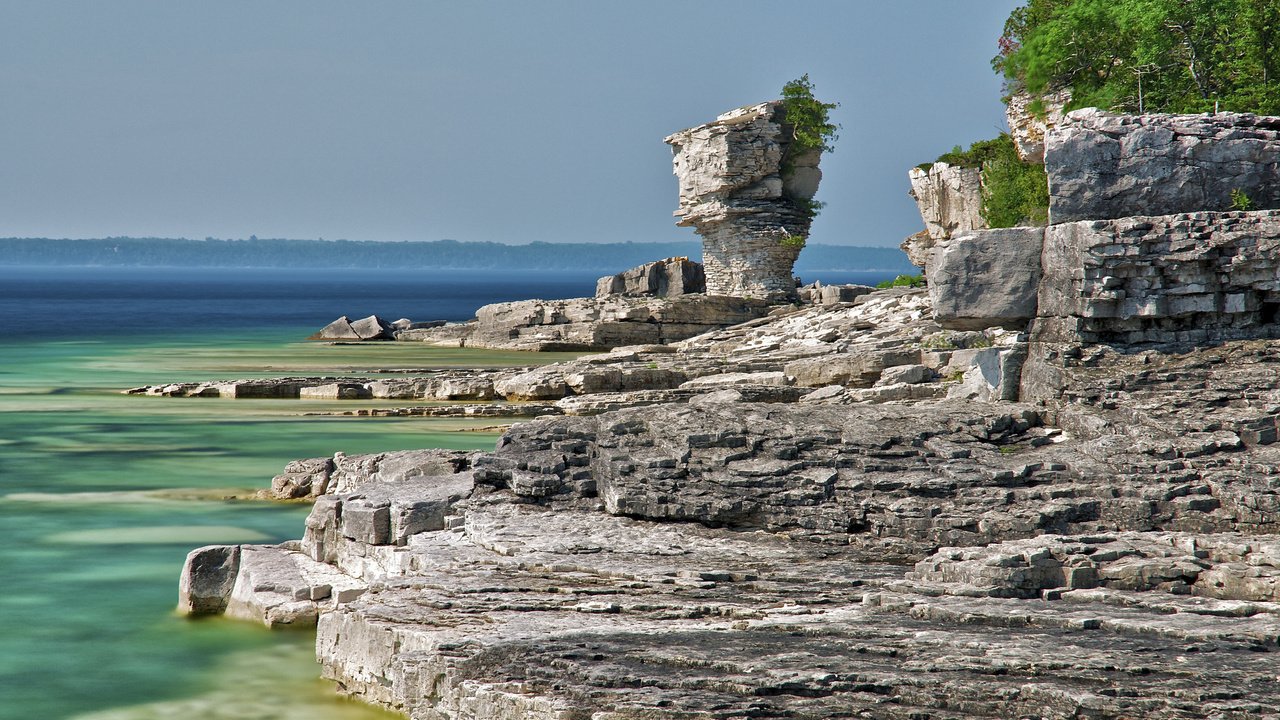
<point x="102" y="494"/>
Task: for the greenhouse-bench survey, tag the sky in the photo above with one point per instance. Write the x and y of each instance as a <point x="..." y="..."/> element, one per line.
<point x="506" y="121"/>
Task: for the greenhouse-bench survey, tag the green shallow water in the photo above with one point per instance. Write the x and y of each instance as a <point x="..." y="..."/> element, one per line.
<point x="90" y="555"/>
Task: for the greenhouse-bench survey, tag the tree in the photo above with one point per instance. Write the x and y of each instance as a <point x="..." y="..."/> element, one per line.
<point x="1154" y="55"/>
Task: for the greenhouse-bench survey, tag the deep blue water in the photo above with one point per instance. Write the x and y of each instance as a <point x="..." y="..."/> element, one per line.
<point x="100" y="302"/>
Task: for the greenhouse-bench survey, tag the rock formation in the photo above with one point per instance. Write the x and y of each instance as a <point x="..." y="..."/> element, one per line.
<point x="1043" y="488"/>
<point x="1103" y="166"/>
<point x="949" y="198"/>
<point x="748" y="198"/>
<point x="664" y="278"/>
<point x="1028" y="128"/>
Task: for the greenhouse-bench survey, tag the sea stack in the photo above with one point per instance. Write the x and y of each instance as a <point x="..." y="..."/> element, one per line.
<point x="748" y="197"/>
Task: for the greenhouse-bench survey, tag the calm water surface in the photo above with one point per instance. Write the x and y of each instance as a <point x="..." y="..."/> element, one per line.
<point x="90" y="552"/>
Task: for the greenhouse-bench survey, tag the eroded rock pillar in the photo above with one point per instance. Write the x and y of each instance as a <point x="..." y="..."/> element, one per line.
<point x="751" y="202"/>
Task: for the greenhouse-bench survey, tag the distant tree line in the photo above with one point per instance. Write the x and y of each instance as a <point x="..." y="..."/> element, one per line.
<point x="277" y="253"/>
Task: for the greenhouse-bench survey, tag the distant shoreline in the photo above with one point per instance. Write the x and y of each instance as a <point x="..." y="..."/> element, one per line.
<point x="266" y="254"/>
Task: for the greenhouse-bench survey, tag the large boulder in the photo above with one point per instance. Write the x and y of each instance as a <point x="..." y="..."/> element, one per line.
<point x="344" y="328"/>
<point x="986" y="278"/>
<point x="664" y="278"/>
<point x="207" y="578"/>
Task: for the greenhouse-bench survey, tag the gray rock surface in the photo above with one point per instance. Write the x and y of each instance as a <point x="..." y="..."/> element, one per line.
<point x="594" y="323"/>
<point x="1103" y="166"/>
<point x="663" y="278"/>
<point x="842" y="510"/>
<point x="986" y="278"/>
<point x="734" y="192"/>
<point x="208" y="574"/>
<point x="949" y="198"/>
<point x="345" y="329"/>
<point x="1197" y="278"/>
<point x="1028" y="128"/>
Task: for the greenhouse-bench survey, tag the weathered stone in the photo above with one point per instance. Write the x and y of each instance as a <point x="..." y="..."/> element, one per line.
<point x="372" y="328"/>
<point x="303" y="478"/>
<point x="1179" y="278"/>
<point x="1028" y="128"/>
<point x="986" y="278"/>
<point x="949" y="198"/>
<point x="339" y="329"/>
<point x="207" y="578"/>
<point x="1103" y="166"/>
<point x="734" y="193"/>
<point x="664" y="278"/>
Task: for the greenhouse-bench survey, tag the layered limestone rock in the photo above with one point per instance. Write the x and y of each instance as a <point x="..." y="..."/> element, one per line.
<point x="537" y="584"/>
<point x="664" y="278"/>
<point x="846" y="510"/>
<point x="1191" y="278"/>
<point x="1028" y="124"/>
<point x="593" y="323"/>
<point x="949" y="198"/>
<point x="748" y="198"/>
<point x="1103" y="166"/>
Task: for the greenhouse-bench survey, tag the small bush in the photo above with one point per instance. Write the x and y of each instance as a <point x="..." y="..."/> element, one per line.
<point x="1240" y="200"/>
<point x="914" y="281"/>
<point x="796" y="241"/>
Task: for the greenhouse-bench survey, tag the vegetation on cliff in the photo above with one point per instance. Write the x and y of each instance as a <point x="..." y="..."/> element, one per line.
<point x="811" y="130"/>
<point x="1013" y="192"/>
<point x="1178" y="56"/>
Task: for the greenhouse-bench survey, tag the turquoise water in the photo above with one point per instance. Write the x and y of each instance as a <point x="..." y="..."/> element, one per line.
<point x="103" y="494"/>
<point x="91" y="554"/>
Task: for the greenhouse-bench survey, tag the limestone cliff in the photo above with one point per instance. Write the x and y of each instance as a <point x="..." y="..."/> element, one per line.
<point x="748" y="198"/>
<point x="1044" y="487"/>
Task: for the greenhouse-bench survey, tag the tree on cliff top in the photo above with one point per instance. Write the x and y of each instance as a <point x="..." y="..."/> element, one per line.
<point x="1153" y="55"/>
<point x="810" y="117"/>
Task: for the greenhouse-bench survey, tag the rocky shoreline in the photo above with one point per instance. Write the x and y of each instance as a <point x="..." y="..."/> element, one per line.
<point x="1044" y="487"/>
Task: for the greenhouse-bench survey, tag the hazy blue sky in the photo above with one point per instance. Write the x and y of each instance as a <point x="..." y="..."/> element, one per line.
<point x="502" y="121"/>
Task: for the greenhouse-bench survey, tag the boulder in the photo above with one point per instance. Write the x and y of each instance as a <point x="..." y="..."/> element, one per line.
<point x="339" y="329"/>
<point x="345" y="329"/>
<point x="664" y="278"/>
<point x="207" y="578"/>
<point x="986" y="278"/>
<point x="372" y="328"/>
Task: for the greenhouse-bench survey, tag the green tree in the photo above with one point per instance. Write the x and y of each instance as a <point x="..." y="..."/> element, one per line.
<point x="809" y="117"/>
<point x="1153" y="55"/>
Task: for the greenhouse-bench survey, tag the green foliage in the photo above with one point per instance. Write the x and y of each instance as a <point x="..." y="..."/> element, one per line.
<point x="1240" y="200"/>
<point x="914" y="281"/>
<point x="809" y="118"/>
<point x="1013" y="192"/>
<point x="1155" y="55"/>
<point x="978" y="153"/>
<point x="795" y="241"/>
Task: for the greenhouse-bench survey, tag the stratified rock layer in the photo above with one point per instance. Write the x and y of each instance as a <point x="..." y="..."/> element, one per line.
<point x="1028" y="128"/>
<point x="1103" y="166"/>
<point x="752" y="215"/>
